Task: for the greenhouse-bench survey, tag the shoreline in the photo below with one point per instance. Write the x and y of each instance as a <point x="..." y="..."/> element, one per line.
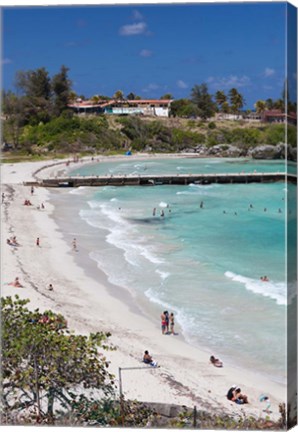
<point x="185" y="376"/>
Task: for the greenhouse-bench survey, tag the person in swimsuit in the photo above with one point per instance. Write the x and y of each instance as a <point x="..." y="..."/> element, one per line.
<point x="172" y="323"/>
<point x="163" y="322"/>
<point x="167" y="321"/>
<point x="148" y="359"/>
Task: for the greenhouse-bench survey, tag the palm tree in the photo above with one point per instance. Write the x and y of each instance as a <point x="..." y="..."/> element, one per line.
<point x="269" y="103"/>
<point x="260" y="106"/>
<point x="119" y="95"/>
<point x="236" y="99"/>
<point x="220" y="99"/>
<point x="95" y="99"/>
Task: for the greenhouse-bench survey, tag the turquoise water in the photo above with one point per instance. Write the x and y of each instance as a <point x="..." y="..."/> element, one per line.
<point x="202" y="260"/>
<point x="183" y="166"/>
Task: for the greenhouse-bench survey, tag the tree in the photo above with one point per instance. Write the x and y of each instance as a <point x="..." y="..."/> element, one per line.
<point x="269" y="104"/>
<point x="225" y="108"/>
<point x="62" y="90"/>
<point x="131" y="96"/>
<point x="95" y="99"/>
<point x="236" y="100"/>
<point x="279" y="104"/>
<point x="34" y="84"/>
<point x="34" y="88"/>
<point x="260" y="106"/>
<point x="203" y="100"/>
<point x="42" y="362"/>
<point x="220" y="99"/>
<point x="183" y="108"/>
<point x="119" y="95"/>
<point x="166" y="96"/>
<point x="12" y="109"/>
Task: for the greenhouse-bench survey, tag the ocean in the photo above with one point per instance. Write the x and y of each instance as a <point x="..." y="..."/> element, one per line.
<point x="198" y="251"/>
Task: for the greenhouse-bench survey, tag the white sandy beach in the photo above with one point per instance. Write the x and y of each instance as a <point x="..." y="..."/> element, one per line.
<point x="185" y="375"/>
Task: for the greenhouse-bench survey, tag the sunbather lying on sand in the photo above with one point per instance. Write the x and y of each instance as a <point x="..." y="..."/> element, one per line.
<point x="16" y="283"/>
<point x="216" y="362"/>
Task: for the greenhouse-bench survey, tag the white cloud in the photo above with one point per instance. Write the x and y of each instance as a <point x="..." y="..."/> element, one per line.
<point x="269" y="72"/>
<point x="181" y="84"/>
<point x="146" y="53"/>
<point x="151" y="87"/>
<point x="137" y="16"/>
<point x="6" y="61"/>
<point x="230" y="81"/>
<point x="133" y="29"/>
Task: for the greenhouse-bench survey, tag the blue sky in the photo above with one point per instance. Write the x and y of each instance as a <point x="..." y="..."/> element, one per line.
<point x="151" y="49"/>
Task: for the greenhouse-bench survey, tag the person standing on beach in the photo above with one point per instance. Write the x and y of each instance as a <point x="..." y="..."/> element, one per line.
<point x="163" y="322"/>
<point x="3" y="197"/>
<point x="32" y="190"/>
<point x="167" y="321"/>
<point x="172" y="323"/>
<point x="37" y="242"/>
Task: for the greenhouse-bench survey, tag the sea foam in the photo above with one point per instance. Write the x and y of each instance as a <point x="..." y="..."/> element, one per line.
<point x="274" y="290"/>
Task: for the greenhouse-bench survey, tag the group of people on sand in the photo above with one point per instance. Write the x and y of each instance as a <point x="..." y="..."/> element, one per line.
<point x="167" y="323"/>
<point x="234" y="394"/>
<point x="27" y="202"/>
<point x="12" y="241"/>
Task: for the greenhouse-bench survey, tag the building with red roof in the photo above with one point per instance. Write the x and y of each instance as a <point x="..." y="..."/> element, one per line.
<point x="146" y="107"/>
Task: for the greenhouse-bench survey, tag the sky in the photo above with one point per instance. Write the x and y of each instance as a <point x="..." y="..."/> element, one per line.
<point x="151" y="49"/>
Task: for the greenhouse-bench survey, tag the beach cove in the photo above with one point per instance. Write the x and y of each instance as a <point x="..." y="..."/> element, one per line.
<point x="90" y="302"/>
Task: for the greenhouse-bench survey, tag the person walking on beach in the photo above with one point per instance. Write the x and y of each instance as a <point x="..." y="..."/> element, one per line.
<point x="32" y="190"/>
<point x="3" y="197"/>
<point x="37" y="242"/>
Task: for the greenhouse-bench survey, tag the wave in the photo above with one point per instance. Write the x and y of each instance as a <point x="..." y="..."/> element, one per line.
<point x="121" y="233"/>
<point x="78" y="191"/>
<point x="163" y="204"/>
<point x="274" y="290"/>
<point x="164" y="275"/>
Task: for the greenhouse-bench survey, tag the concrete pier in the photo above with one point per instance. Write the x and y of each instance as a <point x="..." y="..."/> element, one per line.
<point x="166" y="179"/>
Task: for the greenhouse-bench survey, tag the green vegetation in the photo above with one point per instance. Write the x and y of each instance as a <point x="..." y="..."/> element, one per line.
<point x="43" y="363"/>
<point x="52" y="376"/>
<point x="37" y="121"/>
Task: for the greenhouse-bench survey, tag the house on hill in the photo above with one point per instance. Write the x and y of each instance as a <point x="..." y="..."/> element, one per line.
<point x="146" y="107"/>
<point x="278" y="116"/>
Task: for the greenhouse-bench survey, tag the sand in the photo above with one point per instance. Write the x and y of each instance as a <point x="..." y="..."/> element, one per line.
<point x="83" y="295"/>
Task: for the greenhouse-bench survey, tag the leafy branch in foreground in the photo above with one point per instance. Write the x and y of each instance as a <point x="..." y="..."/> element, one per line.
<point x="44" y="364"/>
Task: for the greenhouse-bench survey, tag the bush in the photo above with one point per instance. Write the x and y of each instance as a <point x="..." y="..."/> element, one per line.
<point x="212" y="125"/>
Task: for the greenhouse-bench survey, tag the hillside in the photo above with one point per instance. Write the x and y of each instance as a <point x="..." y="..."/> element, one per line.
<point x="115" y="134"/>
